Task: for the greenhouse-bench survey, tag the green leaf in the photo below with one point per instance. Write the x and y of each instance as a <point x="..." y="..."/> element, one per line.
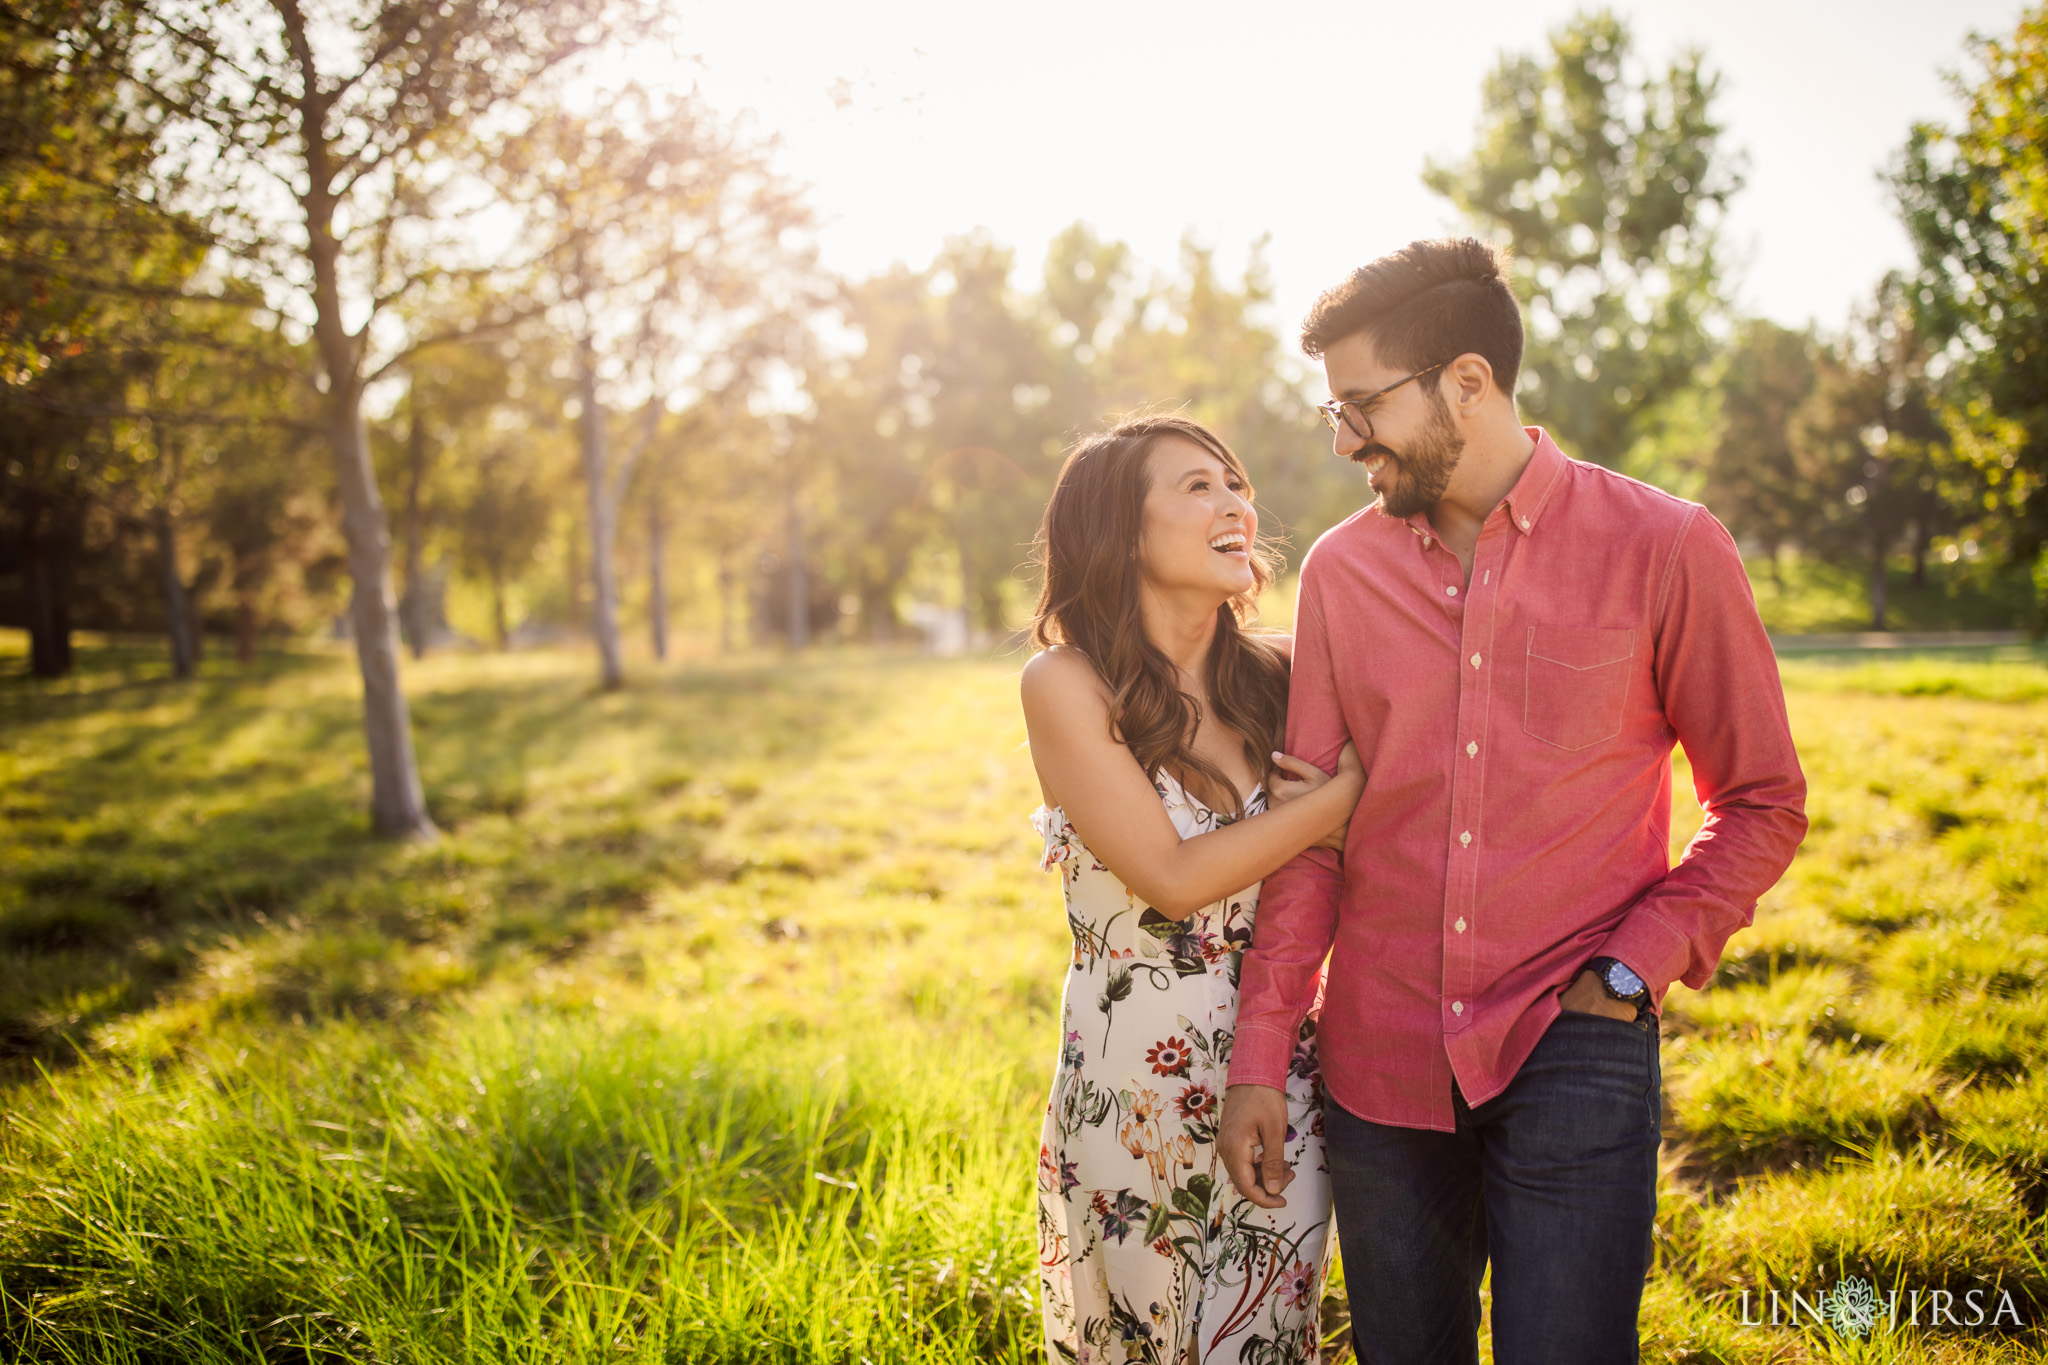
<point x="1155" y="1226"/>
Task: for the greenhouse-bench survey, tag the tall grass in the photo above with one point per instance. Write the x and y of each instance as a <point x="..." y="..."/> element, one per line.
<point x="718" y="1026"/>
<point x="524" y="1183"/>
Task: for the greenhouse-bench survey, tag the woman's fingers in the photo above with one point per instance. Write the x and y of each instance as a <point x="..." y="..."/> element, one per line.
<point x="1296" y="769"/>
<point x="1299" y="770"/>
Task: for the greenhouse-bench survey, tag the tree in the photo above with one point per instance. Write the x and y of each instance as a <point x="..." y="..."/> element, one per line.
<point x="986" y="470"/>
<point x="456" y="407"/>
<point x="1975" y="200"/>
<point x="662" y="233"/>
<point x="502" y="522"/>
<point x="1608" y="182"/>
<point x="269" y="516"/>
<point x="92" y="266"/>
<point x="320" y="152"/>
<point x="1753" y="480"/>
<point x="869" y="444"/>
<point x="1867" y="444"/>
<point x="1196" y="340"/>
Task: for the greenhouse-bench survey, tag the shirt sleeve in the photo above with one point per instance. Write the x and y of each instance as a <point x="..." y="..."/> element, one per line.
<point x="1718" y="679"/>
<point x="1298" y="904"/>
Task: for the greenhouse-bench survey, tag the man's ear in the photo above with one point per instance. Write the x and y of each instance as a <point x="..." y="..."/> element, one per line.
<point x="1469" y="381"/>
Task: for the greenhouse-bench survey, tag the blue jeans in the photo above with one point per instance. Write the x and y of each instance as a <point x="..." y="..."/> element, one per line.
<point x="1554" y="1179"/>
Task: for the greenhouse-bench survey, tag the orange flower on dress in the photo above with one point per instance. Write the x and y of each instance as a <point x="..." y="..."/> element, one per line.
<point x="1132" y="1136"/>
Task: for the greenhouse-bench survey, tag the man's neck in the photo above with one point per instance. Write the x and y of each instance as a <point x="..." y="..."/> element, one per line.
<point x="1493" y="461"/>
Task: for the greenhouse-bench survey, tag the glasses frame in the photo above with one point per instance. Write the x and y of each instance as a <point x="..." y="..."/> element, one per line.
<point x="1352" y="411"/>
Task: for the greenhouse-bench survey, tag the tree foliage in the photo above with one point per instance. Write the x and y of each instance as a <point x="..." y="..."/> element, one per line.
<point x="1975" y="199"/>
<point x="1607" y="181"/>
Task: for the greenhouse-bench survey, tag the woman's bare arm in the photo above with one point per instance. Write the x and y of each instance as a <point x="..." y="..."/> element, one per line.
<point x="1118" y="814"/>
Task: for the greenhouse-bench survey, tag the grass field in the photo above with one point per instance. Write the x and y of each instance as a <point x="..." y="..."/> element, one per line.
<point x="1806" y="595"/>
<point x="717" y="1026"/>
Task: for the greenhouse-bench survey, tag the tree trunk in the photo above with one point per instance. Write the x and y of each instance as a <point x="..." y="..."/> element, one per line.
<point x="1923" y="535"/>
<point x="1877" y="583"/>
<point x="413" y="607"/>
<point x="179" y="623"/>
<point x="178" y="616"/>
<point x="1777" y="568"/>
<point x="727" y="587"/>
<point x="498" y="610"/>
<point x="799" y="590"/>
<point x="398" y="806"/>
<point x="573" y="569"/>
<point x="967" y="594"/>
<point x="46" y="587"/>
<point x="881" y="613"/>
<point x="657" y="579"/>
<point x="49" y="622"/>
<point x="603" y="529"/>
<point x="245" y="628"/>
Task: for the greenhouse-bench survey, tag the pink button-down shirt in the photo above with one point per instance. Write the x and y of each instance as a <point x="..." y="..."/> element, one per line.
<point x="1517" y="731"/>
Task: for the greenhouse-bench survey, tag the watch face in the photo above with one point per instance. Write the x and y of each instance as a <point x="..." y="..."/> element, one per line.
<point x="1621" y="980"/>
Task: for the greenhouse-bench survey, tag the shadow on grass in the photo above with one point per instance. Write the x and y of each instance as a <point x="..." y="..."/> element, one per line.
<point x="206" y="843"/>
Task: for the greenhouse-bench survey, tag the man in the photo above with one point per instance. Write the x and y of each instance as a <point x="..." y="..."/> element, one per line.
<point x="1514" y="640"/>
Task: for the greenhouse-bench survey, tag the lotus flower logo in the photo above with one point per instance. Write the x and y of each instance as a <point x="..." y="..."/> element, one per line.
<point x="1852" y="1307"/>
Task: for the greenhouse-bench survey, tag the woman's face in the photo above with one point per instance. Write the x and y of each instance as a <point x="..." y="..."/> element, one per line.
<point x="1198" y="524"/>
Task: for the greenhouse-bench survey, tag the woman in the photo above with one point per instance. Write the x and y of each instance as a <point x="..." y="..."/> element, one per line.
<point x="1152" y="716"/>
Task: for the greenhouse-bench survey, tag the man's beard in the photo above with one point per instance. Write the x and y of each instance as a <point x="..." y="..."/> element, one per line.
<point x="1424" y="469"/>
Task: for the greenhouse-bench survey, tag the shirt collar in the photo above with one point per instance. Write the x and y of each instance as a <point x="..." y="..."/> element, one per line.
<point x="1540" y="478"/>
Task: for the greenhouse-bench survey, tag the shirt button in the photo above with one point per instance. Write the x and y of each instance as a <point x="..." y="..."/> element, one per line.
<point x="1427" y="542"/>
<point x="1525" y="523"/>
<point x="1457" y="1007"/>
<point x="1475" y="661"/>
<point x="1472" y="746"/>
<point x="1460" y="925"/>
<point x="1466" y="837"/>
<point x="1451" y="589"/>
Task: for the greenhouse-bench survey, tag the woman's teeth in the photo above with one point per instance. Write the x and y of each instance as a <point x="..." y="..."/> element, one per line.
<point x="1228" y="544"/>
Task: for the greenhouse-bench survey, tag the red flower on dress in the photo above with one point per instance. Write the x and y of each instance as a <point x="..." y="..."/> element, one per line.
<point x="1169" y="1057"/>
<point x="1197" y="1101"/>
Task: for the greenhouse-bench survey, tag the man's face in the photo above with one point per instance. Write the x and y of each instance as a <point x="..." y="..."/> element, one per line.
<point x="1415" y="442"/>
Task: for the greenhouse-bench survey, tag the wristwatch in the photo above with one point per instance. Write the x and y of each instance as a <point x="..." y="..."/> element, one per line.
<point x="1619" y="982"/>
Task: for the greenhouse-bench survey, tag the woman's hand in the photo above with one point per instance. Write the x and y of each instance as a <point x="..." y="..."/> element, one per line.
<point x="1292" y="779"/>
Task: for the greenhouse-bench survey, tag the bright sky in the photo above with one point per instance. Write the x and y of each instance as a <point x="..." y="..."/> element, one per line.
<point x="915" y="119"/>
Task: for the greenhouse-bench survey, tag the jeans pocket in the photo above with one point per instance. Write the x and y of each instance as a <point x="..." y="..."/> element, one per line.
<point x="1644" y="1024"/>
<point x="1577" y="683"/>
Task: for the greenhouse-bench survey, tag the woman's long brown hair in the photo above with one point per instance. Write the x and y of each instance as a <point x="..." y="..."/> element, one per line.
<point x="1087" y="547"/>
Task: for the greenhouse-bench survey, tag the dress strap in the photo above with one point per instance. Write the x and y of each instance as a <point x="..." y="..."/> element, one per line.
<point x="1060" y="838"/>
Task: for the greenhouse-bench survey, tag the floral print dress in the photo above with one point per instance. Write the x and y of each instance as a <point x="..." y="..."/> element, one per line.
<point x="1143" y="1244"/>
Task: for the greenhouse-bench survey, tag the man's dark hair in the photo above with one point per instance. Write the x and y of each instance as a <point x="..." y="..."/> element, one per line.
<point x="1427" y="303"/>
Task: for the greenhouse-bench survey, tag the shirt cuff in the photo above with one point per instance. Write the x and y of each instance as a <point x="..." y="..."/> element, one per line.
<point x="1261" y="1055"/>
<point x="1650" y="948"/>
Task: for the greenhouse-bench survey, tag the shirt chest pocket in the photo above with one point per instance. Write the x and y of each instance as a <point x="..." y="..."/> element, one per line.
<point x="1577" y="683"/>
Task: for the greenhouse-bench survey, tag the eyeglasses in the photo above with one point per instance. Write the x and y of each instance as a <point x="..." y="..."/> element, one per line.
<point x="1351" y="411"/>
